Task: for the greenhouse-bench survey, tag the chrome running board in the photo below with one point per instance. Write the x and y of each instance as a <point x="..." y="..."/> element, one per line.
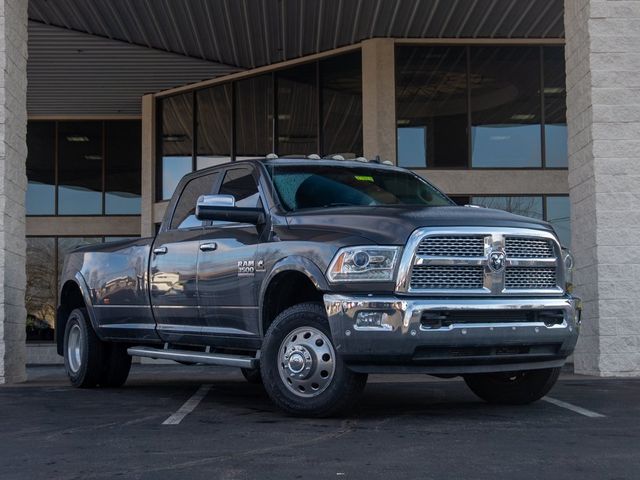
<point x="188" y="356"/>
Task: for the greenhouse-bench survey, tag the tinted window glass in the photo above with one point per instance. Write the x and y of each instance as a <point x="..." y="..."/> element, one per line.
<point x="309" y="186"/>
<point x="241" y="184"/>
<point x="254" y="116"/>
<point x="123" y="161"/>
<point x="559" y="215"/>
<point x="184" y="215"/>
<point x="555" y="129"/>
<point x="341" y="93"/>
<point x="297" y="110"/>
<point x="431" y="106"/>
<point x="40" y="295"/>
<point x="214" y="126"/>
<point x="80" y="168"/>
<point x="176" y="148"/>
<point x="40" y="168"/>
<point x="505" y="107"/>
<point x="527" y="206"/>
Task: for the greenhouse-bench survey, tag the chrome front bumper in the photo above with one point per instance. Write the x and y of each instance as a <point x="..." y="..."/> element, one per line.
<point x="402" y="343"/>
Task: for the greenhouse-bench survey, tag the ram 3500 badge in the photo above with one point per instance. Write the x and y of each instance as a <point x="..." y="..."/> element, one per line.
<point x="310" y="274"/>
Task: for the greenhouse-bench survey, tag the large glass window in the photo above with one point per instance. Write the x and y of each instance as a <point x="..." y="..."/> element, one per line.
<point x="558" y="213"/>
<point x="505" y="107"/>
<point x="529" y="206"/>
<point x="254" y="117"/>
<point x="312" y="108"/>
<point x="555" y="116"/>
<point x="341" y="98"/>
<point x="213" y="137"/>
<point x="184" y="215"/>
<point x="481" y="107"/>
<point x="177" y="141"/>
<point x="41" y="190"/>
<point x="92" y="160"/>
<point x="122" y="168"/>
<point x="80" y="157"/>
<point x="241" y="184"/>
<point x="297" y="110"/>
<point x="40" y="295"/>
<point x="431" y="106"/>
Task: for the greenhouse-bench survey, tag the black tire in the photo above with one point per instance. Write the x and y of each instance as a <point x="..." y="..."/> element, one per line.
<point x="339" y="392"/>
<point x="252" y="375"/>
<point x="84" y="368"/>
<point x="116" y="365"/>
<point x="513" y="388"/>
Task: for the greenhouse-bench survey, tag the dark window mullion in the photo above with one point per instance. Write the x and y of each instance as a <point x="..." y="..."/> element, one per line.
<point x="319" y="132"/>
<point x="543" y="156"/>
<point x="274" y="124"/>
<point x="233" y="123"/>
<point x="194" y="135"/>
<point x="469" y="119"/>
<point x="55" y="168"/>
<point x="104" y="167"/>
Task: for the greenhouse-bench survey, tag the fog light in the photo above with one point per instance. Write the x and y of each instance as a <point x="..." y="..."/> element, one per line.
<point x="371" y="319"/>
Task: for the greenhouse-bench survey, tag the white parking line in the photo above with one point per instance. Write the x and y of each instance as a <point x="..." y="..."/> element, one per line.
<point x="573" y="408"/>
<point x="188" y="407"/>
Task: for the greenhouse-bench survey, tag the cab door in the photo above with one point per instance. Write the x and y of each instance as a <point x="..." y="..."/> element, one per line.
<point x="173" y="265"/>
<point x="227" y="266"/>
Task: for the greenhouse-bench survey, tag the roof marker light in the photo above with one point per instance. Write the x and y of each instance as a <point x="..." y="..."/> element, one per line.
<point x="313" y="156"/>
<point x="361" y="159"/>
<point x="271" y="156"/>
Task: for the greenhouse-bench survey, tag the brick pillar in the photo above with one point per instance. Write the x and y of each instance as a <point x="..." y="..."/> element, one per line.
<point x="603" y="113"/>
<point x="13" y="182"/>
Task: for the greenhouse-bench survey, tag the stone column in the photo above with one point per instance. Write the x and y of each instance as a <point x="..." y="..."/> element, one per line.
<point x="13" y="183"/>
<point x="603" y="114"/>
<point x="379" y="98"/>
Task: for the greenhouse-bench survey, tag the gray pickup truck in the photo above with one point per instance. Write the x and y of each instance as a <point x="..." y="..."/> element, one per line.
<point x="309" y="274"/>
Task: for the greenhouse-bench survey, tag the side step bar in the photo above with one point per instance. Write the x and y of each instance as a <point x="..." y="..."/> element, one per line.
<point x="188" y="356"/>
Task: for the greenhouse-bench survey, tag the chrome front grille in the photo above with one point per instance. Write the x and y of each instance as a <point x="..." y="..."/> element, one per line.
<point x="439" y="277"/>
<point x="452" y="246"/>
<point x="530" y="278"/>
<point x="477" y="261"/>
<point x="518" y="247"/>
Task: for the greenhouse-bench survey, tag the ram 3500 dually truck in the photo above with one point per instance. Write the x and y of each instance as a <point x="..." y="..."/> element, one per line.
<point x="309" y="274"/>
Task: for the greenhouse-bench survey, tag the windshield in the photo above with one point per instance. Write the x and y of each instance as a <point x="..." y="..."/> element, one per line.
<point x="321" y="186"/>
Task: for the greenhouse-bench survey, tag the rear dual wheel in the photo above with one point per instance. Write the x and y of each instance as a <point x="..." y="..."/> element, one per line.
<point x="300" y="369"/>
<point x="89" y="361"/>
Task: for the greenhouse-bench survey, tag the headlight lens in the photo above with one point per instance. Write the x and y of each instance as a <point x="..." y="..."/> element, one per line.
<point x="567" y="259"/>
<point x="364" y="264"/>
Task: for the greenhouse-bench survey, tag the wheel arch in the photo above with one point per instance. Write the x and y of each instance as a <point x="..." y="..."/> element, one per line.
<point x="299" y="277"/>
<point x="73" y="294"/>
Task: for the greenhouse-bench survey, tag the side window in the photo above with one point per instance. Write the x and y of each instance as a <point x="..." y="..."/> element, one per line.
<point x="185" y="214"/>
<point x="241" y="184"/>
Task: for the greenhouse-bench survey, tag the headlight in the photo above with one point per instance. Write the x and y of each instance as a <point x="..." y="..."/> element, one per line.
<point x="567" y="259"/>
<point x="364" y="264"/>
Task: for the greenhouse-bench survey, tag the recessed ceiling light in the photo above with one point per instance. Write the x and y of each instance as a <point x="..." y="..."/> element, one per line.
<point x="174" y="138"/>
<point x="93" y="157"/>
<point x="553" y="90"/>
<point x="523" y="116"/>
<point x="404" y="121"/>
<point x="77" y="138"/>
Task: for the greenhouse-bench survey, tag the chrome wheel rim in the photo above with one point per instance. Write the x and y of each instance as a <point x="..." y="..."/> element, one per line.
<point x="74" y="348"/>
<point x="306" y="362"/>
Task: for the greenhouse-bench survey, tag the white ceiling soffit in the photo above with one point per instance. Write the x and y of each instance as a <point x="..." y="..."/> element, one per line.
<point x="71" y="73"/>
<point x="250" y="33"/>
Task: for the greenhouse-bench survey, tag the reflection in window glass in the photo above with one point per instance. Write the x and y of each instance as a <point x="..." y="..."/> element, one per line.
<point x="122" y="167"/>
<point x="241" y="184"/>
<point x="559" y="215"/>
<point x="555" y="119"/>
<point x="41" y="188"/>
<point x="297" y="110"/>
<point x="527" y="206"/>
<point x="505" y="107"/>
<point x="40" y="295"/>
<point x="80" y="168"/>
<point x="254" y="116"/>
<point x="67" y="244"/>
<point x="214" y="126"/>
<point x="177" y="141"/>
<point x="341" y="91"/>
<point x="431" y="94"/>
<point x="184" y="215"/>
<point x="411" y="146"/>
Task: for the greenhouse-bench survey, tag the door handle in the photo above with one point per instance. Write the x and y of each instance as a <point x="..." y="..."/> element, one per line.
<point x="208" y="247"/>
<point x="160" y="250"/>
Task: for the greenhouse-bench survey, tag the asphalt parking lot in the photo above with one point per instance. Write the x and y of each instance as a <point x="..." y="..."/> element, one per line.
<point x="206" y="422"/>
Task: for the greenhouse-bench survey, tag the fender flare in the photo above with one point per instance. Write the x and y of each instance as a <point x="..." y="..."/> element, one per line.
<point x="81" y="283"/>
<point x="293" y="263"/>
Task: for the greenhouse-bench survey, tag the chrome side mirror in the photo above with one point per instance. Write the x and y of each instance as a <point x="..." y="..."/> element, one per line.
<point x="223" y="208"/>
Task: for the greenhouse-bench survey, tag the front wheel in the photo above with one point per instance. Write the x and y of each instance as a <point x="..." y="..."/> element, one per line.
<point x="513" y="388"/>
<point x="300" y="369"/>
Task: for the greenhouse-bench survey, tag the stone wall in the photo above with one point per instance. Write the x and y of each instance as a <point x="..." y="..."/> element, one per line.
<point x="603" y="112"/>
<point x="13" y="182"/>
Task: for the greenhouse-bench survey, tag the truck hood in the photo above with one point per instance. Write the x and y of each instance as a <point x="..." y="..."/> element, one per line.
<point x="393" y="225"/>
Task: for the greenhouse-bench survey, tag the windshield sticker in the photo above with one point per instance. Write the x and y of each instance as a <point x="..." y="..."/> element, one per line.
<point x="364" y="178"/>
